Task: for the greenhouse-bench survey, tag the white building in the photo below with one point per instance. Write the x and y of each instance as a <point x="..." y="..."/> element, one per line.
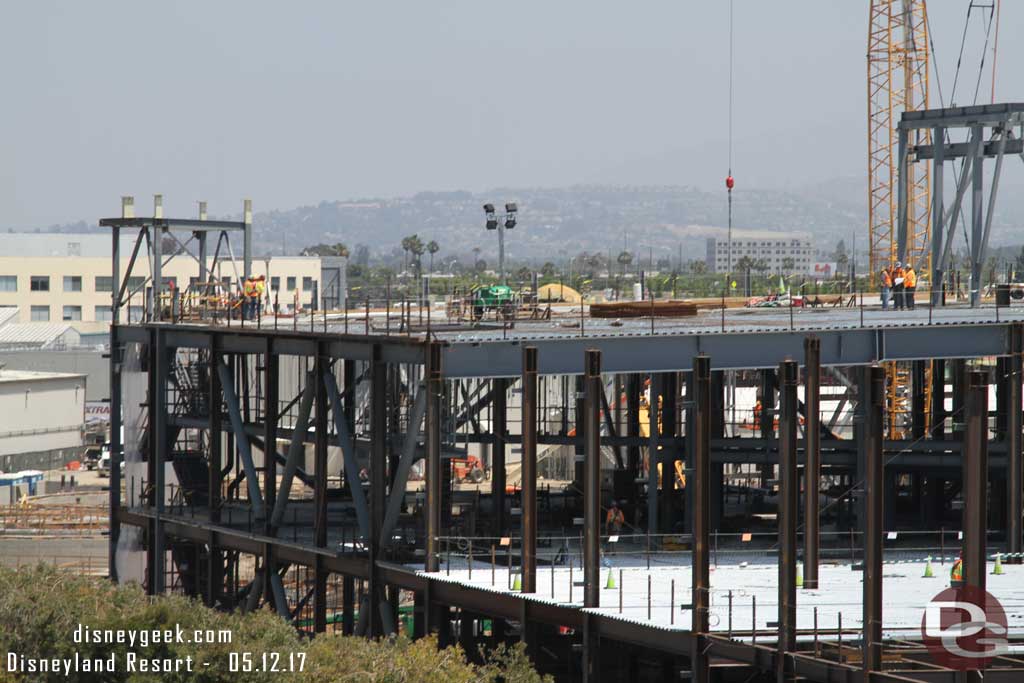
<point x="65" y="277"/>
<point x="42" y="418"/>
<point x="782" y="253"/>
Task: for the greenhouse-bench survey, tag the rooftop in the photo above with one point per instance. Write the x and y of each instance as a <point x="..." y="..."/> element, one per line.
<point x="11" y="376"/>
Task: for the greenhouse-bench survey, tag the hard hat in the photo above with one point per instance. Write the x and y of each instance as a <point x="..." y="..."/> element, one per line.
<point x="898" y="264"/>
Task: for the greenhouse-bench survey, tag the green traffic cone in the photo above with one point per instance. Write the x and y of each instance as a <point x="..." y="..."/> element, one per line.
<point x="517" y="584"/>
<point x="999" y="565"/>
<point x="610" y="583"/>
<point x="929" y="573"/>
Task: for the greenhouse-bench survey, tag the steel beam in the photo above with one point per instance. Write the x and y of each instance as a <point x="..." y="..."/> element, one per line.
<point x="433" y="393"/>
<point x="529" y="468"/>
<point x="975" y="473"/>
<point x="699" y="487"/>
<point x="789" y="506"/>
<point x="938" y="407"/>
<point x="252" y="481"/>
<point x="343" y="423"/>
<point x="873" y="378"/>
<point x="296" y="452"/>
<point x="845" y="344"/>
<point x="812" y="458"/>
<point x="977" y="214"/>
<point x="592" y="479"/>
<point x="396" y="496"/>
<point x="499" y="428"/>
<point x="1014" y="471"/>
<point x="653" y="454"/>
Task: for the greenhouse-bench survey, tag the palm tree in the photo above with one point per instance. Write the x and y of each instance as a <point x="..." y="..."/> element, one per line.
<point x="624" y="259"/>
<point x="432" y="247"/>
<point x="341" y="249"/>
<point x="417" y="248"/>
<point x="406" y="241"/>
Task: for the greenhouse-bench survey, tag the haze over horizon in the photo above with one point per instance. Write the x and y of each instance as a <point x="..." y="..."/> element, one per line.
<point x="345" y="100"/>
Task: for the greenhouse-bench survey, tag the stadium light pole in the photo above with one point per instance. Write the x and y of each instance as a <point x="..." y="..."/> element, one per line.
<point x="511" y="215"/>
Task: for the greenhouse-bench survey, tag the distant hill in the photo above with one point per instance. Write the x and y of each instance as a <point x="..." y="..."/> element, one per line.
<point x="556" y="223"/>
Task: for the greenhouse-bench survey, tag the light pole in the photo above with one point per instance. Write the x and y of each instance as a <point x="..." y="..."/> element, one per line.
<point x="511" y="212"/>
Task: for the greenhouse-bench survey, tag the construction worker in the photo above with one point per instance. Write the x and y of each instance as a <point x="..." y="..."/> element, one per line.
<point x="956" y="573"/>
<point x="261" y="289"/>
<point x="910" y="286"/>
<point x="885" y="280"/>
<point x="249" y="298"/>
<point x="897" y="286"/>
<point x="614" y="520"/>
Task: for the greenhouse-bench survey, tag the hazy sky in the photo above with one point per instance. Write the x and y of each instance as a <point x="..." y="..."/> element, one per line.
<point x="294" y="103"/>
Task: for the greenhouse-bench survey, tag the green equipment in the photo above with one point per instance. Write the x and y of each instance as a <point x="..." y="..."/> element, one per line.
<point x="491" y="298"/>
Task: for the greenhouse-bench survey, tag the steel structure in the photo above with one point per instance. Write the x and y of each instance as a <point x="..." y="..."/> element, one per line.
<point x="273" y="466"/>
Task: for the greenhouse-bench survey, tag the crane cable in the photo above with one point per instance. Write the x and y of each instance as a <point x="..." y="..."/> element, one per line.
<point x="729" y="182"/>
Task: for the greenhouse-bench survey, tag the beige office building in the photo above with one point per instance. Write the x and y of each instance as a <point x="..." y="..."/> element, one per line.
<point x="63" y="277"/>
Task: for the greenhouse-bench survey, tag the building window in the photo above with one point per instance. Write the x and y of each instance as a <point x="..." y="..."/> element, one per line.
<point x="275" y="283"/>
<point x="291" y="283"/>
<point x="104" y="283"/>
<point x="135" y="314"/>
<point x="72" y="313"/>
<point x="40" y="283"/>
<point x="8" y="283"/>
<point x="72" y="283"/>
<point x="104" y="313"/>
<point x="40" y="313"/>
<point x="307" y="284"/>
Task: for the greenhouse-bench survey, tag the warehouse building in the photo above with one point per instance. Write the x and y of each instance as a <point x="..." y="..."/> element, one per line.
<point x="43" y="419"/>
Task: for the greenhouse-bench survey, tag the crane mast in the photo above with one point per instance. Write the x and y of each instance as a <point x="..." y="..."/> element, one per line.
<point x="898" y="61"/>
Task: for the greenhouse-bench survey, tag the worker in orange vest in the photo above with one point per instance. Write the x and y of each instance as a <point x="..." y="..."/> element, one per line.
<point x="897" y="286"/>
<point x="885" y="280"/>
<point x="614" y="519"/>
<point x="956" y="573"/>
<point x="910" y="286"/>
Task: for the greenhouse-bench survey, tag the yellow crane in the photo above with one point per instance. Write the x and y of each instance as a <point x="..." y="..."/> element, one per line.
<point x="898" y="62"/>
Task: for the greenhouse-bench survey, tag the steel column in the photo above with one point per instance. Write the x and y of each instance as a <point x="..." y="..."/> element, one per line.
<point x="320" y="486"/>
<point x="1014" y="476"/>
<point x="498" y="474"/>
<point x="157" y="452"/>
<point x="633" y="457"/>
<point x="873" y="378"/>
<point x="529" y="469"/>
<point x="699" y="487"/>
<point x="938" y="407"/>
<point x="592" y="479"/>
<point x="270" y="409"/>
<point x="789" y="506"/>
<point x="378" y="480"/>
<point x="977" y="212"/>
<point x="812" y="460"/>
<point x="938" y="224"/>
<point x="434" y="390"/>
<point x="767" y="419"/>
<point x="116" y="359"/>
<point x="214" y="477"/>
<point x="669" y="412"/>
<point x="975" y="491"/>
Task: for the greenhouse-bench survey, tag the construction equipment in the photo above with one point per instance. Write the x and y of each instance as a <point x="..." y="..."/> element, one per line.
<point x="497" y="298"/>
<point x="468" y="469"/>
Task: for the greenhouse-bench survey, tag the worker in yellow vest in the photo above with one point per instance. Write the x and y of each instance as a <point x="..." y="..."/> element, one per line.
<point x="249" y="298"/>
<point x="909" y="286"/>
<point x="261" y="289"/>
